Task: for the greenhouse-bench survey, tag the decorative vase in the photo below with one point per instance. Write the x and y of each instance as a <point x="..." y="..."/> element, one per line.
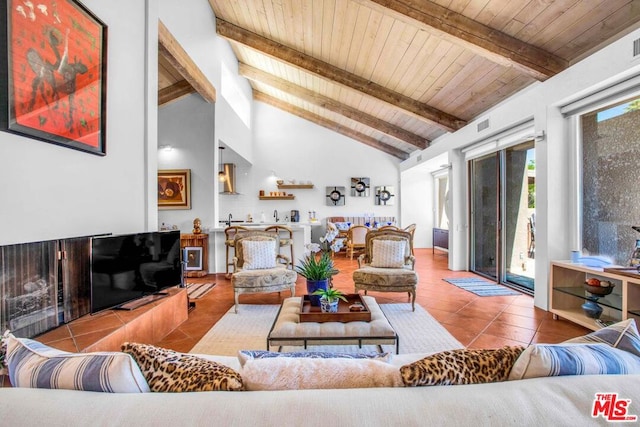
<point x="591" y="308"/>
<point x="329" y="307"/>
<point x="314" y="285"/>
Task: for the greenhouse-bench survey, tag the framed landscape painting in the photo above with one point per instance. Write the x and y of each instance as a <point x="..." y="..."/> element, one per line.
<point x="174" y="189"/>
<point x="53" y="73"/>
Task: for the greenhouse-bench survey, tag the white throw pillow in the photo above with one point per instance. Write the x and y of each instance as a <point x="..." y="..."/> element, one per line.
<point x="287" y="373"/>
<point x="244" y="355"/>
<point x="35" y="365"/>
<point x="388" y="253"/>
<point x="259" y="254"/>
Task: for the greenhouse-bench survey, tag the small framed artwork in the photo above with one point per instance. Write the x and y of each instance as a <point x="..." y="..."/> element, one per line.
<point x="174" y="189"/>
<point x="194" y="258"/>
<point x="53" y="73"/>
<point x="360" y="187"/>
<point x="335" y="196"/>
<point x="384" y="195"/>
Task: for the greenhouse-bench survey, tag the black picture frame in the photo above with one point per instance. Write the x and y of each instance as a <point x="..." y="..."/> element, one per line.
<point x="53" y="73"/>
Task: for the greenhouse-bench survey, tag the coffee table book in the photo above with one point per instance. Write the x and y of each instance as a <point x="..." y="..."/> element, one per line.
<point x="309" y="313"/>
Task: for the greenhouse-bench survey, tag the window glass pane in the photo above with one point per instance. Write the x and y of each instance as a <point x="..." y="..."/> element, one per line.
<point x="442" y="214"/>
<point x="610" y="180"/>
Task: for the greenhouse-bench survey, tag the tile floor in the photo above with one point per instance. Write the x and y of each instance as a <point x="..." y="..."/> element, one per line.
<point x="477" y="322"/>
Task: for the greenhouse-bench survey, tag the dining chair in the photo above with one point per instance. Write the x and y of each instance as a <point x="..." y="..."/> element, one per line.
<point x="411" y="229"/>
<point x="356" y="237"/>
<point x="230" y="243"/>
<point x="286" y="238"/>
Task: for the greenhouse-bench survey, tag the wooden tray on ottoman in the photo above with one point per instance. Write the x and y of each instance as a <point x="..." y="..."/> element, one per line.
<point x="308" y="313"/>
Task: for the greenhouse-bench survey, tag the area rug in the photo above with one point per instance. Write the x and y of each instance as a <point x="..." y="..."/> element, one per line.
<point x="418" y="331"/>
<point x="198" y="290"/>
<point x="481" y="287"/>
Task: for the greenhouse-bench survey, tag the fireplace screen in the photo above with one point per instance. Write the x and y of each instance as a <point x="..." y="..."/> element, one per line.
<point x="29" y="288"/>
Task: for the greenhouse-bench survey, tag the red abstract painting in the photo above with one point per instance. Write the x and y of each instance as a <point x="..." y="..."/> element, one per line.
<point x="56" y="86"/>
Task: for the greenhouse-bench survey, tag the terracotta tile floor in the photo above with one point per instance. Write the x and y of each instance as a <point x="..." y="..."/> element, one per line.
<point x="477" y="322"/>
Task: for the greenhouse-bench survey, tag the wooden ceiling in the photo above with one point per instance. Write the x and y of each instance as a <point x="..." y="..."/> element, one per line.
<point x="396" y="74"/>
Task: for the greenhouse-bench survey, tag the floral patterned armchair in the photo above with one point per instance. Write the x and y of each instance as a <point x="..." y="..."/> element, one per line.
<point x="387" y="264"/>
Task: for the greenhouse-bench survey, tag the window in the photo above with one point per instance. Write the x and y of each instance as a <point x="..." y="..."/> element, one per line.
<point x="610" y="177"/>
<point x="442" y="202"/>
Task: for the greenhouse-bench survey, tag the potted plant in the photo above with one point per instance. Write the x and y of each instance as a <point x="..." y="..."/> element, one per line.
<point x="318" y="271"/>
<point x="329" y="299"/>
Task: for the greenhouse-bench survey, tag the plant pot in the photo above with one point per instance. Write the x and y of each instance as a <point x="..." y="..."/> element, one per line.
<point x="312" y="286"/>
<point x="328" y="307"/>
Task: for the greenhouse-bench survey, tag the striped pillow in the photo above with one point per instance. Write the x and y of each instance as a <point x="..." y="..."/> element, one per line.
<point x="548" y="360"/>
<point x="35" y="365"/>
<point x="623" y="335"/>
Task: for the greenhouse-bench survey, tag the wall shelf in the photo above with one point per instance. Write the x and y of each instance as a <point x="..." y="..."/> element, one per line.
<point x="277" y="197"/>
<point x="295" y="186"/>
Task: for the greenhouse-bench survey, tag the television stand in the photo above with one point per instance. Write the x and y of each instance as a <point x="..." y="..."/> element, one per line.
<point x="132" y="305"/>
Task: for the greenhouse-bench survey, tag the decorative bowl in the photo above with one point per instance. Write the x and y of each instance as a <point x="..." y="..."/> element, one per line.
<point x="280" y="182"/>
<point x="599" y="290"/>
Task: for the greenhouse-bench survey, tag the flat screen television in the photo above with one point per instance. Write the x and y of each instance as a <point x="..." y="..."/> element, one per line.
<point x="129" y="266"/>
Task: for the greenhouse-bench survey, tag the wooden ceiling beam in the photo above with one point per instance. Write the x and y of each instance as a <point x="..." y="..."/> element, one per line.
<point x="314" y="98"/>
<point x="488" y="42"/>
<point x="169" y="47"/>
<point x="329" y="124"/>
<point x="334" y="74"/>
<point x="175" y="91"/>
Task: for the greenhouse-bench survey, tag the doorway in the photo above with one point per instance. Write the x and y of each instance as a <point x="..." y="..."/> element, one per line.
<point x="503" y="216"/>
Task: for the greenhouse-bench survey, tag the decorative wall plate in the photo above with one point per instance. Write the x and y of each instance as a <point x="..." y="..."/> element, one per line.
<point x="384" y="195"/>
<point x="335" y="196"/>
<point x="360" y="187"/>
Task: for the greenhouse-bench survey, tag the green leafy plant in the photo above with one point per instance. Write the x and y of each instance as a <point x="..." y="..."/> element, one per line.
<point x="314" y="267"/>
<point x="330" y="294"/>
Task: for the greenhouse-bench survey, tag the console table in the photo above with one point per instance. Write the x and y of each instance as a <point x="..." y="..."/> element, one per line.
<point x="440" y="239"/>
<point x="568" y="294"/>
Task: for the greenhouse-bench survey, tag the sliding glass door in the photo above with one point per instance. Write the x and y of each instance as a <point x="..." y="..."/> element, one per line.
<point x="503" y="216"/>
<point x="485" y="215"/>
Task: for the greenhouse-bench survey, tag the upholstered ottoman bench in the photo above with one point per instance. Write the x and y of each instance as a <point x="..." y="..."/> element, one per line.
<point x="288" y="330"/>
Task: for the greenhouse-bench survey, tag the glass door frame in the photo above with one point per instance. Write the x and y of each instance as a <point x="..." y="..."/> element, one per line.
<point x="501" y="273"/>
<point x="472" y="212"/>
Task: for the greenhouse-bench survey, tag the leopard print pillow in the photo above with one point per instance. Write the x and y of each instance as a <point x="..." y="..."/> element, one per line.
<point x="170" y="371"/>
<point x="464" y="366"/>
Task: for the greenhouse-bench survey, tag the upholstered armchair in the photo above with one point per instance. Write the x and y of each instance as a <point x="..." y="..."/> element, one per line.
<point x="257" y="266"/>
<point x="387" y="264"/>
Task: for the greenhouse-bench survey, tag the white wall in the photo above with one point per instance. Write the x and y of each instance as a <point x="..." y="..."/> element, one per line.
<point x="192" y="23"/>
<point x="555" y="184"/>
<point x="297" y="149"/>
<point x="187" y="125"/>
<point x="54" y="192"/>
